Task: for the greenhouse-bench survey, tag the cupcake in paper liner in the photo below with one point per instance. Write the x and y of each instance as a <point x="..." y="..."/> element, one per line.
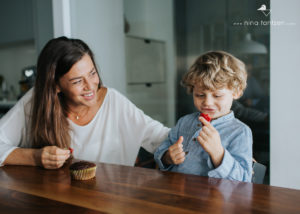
<point x="83" y="170"/>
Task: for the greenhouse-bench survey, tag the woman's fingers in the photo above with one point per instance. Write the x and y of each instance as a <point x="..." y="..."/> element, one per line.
<point x="53" y="157"/>
<point x="58" y="157"/>
<point x="53" y="164"/>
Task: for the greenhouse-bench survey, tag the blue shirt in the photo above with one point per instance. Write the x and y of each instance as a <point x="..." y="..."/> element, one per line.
<point x="236" y="138"/>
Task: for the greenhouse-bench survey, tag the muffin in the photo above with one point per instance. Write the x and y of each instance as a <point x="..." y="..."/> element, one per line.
<point x="83" y="170"/>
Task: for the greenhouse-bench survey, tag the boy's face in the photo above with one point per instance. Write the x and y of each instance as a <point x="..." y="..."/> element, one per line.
<point x="215" y="103"/>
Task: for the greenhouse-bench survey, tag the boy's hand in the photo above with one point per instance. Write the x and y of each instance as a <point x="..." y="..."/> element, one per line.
<point x="176" y="153"/>
<point x="210" y="140"/>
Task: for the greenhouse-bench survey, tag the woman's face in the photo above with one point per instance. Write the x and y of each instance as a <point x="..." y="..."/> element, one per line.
<point x="80" y="84"/>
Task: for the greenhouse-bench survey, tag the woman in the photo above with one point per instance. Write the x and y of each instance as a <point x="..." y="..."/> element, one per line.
<point x="70" y="107"/>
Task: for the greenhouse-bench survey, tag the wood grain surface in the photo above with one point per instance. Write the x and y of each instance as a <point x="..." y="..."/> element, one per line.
<point x="124" y="189"/>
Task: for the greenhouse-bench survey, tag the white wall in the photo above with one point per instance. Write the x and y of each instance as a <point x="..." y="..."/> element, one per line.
<point x="154" y="20"/>
<point x="285" y="94"/>
<point x="100" y="24"/>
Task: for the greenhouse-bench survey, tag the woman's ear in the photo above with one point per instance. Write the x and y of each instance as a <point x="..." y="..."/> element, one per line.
<point x="58" y="90"/>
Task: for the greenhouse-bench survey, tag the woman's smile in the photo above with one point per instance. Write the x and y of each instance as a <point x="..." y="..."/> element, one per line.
<point x="89" y="96"/>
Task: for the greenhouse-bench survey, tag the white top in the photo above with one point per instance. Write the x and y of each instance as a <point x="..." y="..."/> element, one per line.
<point x="113" y="136"/>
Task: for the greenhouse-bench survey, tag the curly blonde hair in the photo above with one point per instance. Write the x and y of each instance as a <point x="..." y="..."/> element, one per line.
<point x="215" y="70"/>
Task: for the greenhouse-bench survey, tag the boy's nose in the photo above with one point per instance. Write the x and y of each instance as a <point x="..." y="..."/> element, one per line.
<point x="208" y="100"/>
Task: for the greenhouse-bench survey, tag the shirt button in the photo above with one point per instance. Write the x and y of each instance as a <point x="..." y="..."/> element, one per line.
<point x="198" y="124"/>
<point x="194" y="139"/>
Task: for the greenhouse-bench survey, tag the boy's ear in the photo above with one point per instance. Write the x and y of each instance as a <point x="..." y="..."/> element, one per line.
<point x="237" y="95"/>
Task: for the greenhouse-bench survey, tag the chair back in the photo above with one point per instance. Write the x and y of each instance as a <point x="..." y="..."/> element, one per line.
<point x="258" y="172"/>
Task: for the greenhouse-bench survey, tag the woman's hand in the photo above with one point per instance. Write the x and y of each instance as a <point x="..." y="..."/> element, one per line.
<point x="52" y="157"/>
<point x="175" y="153"/>
<point x="210" y="140"/>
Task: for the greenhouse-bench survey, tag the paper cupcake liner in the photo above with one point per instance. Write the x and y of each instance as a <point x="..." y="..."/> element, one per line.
<point x="83" y="174"/>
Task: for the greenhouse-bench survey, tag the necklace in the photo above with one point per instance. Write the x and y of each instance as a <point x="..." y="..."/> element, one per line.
<point x="76" y="116"/>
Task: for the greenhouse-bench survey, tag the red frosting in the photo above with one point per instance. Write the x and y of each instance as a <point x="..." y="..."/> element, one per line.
<point x="71" y="150"/>
<point x="206" y="117"/>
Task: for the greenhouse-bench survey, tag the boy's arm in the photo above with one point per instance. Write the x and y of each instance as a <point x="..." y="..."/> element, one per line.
<point x="237" y="160"/>
<point x="210" y="141"/>
<point x="161" y="156"/>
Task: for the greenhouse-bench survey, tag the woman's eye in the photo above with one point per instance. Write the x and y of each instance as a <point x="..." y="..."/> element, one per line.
<point x="76" y="82"/>
<point x="93" y="74"/>
<point x="199" y="95"/>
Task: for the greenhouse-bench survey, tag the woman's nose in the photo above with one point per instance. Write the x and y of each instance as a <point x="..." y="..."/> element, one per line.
<point x="87" y="85"/>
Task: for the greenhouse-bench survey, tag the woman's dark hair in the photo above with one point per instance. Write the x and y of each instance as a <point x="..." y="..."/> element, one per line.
<point x="49" y="125"/>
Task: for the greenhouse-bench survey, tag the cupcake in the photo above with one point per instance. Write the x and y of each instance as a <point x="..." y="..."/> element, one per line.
<point x="83" y="170"/>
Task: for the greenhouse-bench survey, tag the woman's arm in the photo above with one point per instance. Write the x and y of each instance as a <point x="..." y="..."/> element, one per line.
<point x="149" y="133"/>
<point x="49" y="157"/>
<point x="13" y="127"/>
<point x="21" y="156"/>
<point x="14" y="131"/>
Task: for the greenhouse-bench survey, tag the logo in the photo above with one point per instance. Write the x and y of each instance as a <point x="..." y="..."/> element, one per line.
<point x="264" y="10"/>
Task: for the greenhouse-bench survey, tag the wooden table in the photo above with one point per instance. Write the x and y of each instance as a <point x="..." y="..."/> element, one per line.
<point x="123" y="189"/>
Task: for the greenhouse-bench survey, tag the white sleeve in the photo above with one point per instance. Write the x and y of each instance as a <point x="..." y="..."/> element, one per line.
<point x="141" y="128"/>
<point x="155" y="134"/>
<point x="13" y="127"/>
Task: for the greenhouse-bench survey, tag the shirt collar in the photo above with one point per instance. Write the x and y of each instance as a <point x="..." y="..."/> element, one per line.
<point x="222" y="119"/>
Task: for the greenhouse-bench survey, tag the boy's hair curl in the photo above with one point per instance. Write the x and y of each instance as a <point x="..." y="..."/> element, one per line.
<point x="215" y="70"/>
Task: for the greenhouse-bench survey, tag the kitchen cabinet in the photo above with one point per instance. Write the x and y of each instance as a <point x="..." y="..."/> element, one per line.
<point x="16" y="21"/>
<point x="146" y="76"/>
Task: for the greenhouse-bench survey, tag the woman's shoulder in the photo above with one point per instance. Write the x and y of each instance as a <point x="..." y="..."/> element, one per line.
<point x="116" y="96"/>
<point x="27" y="96"/>
<point x="26" y="100"/>
<point x="114" y="92"/>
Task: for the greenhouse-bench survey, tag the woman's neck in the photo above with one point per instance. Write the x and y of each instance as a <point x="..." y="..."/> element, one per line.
<point x="82" y="114"/>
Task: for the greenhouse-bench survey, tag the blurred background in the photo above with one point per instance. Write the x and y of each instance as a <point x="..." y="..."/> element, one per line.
<point x="143" y="47"/>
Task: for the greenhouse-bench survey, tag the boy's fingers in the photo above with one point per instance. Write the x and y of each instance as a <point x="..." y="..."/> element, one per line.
<point x="179" y="161"/>
<point x="177" y="145"/>
<point x="176" y="151"/>
<point x="180" y="155"/>
<point x="180" y="140"/>
<point x="204" y="121"/>
<point x="200" y="140"/>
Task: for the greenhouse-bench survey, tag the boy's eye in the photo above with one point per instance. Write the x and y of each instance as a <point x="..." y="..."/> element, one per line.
<point x="199" y="95"/>
<point x="218" y="95"/>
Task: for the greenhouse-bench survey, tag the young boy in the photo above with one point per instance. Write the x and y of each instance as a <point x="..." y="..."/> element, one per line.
<point x="221" y="148"/>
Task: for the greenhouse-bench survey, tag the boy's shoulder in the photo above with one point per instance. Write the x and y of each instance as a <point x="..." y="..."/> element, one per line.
<point x="239" y="125"/>
<point x="230" y="122"/>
